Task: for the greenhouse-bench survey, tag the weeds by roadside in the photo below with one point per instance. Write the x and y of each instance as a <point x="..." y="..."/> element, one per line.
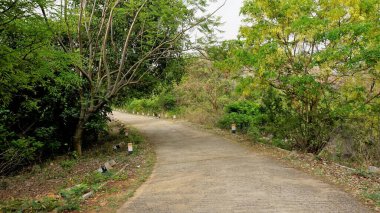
<point x="62" y="183"/>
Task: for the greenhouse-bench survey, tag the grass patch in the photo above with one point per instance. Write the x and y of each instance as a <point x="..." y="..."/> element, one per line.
<point x="362" y="173"/>
<point x="61" y="183"/>
<point x="126" y="183"/>
<point x="67" y="164"/>
<point x="95" y="178"/>
<point x="18" y="205"/>
<point x="375" y="196"/>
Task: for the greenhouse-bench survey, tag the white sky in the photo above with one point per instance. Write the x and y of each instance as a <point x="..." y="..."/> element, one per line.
<point x="229" y="16"/>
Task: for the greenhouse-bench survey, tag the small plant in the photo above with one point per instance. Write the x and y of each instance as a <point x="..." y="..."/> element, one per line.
<point x="283" y="144"/>
<point x="362" y="173"/>
<point x="73" y="197"/>
<point x="36" y="169"/>
<point x="121" y="176"/>
<point x="122" y="131"/>
<point x="375" y="197"/>
<point x="75" y="191"/>
<point x="71" y="204"/>
<point x="135" y="138"/>
<point x="96" y="178"/>
<point x="67" y="164"/>
<point x="44" y="205"/>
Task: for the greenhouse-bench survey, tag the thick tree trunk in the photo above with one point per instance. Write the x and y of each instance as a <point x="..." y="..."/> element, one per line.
<point x="85" y="114"/>
<point x="78" y="136"/>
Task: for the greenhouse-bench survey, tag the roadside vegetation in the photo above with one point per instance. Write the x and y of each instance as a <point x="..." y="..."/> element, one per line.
<point x="306" y="76"/>
<point x="63" y="64"/>
<point x="60" y="184"/>
<point x="303" y="76"/>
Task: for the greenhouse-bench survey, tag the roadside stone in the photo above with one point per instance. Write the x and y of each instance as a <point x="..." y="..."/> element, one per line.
<point x="112" y="162"/>
<point x="374" y="169"/>
<point x="87" y="195"/>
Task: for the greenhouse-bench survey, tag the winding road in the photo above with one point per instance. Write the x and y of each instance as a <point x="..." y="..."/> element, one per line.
<point x="197" y="171"/>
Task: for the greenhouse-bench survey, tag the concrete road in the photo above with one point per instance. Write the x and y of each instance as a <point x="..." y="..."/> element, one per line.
<point x="197" y="171"/>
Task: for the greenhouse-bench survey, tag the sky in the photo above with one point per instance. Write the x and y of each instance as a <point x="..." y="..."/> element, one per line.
<point x="230" y="16"/>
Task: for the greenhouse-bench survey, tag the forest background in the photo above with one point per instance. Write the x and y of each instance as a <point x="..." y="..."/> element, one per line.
<point x="302" y="75"/>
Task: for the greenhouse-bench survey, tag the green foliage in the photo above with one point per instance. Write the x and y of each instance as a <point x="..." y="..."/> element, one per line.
<point x="95" y="178"/>
<point x="144" y="105"/>
<point x="303" y="70"/>
<point x="75" y="191"/>
<point x="39" y="104"/>
<point x="312" y="58"/>
<point x="243" y="113"/>
<point x="24" y="148"/>
<point x="67" y="164"/>
<point x="283" y="144"/>
<point x="167" y="101"/>
<point x="375" y="197"/>
<point x="72" y="197"/>
<point x="205" y="85"/>
<point x="164" y="102"/>
<point x="122" y="176"/>
<point x="43" y="205"/>
<point x="135" y="138"/>
<point x="362" y="173"/>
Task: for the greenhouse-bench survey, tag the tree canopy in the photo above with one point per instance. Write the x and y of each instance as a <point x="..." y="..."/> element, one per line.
<point x="63" y="62"/>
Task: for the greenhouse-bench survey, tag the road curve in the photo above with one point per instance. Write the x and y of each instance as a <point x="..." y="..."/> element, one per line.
<point x="197" y="171"/>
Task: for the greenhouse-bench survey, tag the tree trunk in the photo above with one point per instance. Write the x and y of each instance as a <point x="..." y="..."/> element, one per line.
<point x="78" y="136"/>
<point x="85" y="114"/>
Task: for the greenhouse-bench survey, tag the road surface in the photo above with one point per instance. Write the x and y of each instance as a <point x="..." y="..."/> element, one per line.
<point x="197" y="171"/>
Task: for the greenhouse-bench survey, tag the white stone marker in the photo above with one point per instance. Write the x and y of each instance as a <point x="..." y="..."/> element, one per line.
<point x="233" y="128"/>
<point x="130" y="148"/>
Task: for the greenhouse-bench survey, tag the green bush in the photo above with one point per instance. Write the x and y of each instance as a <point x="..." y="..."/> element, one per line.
<point x="144" y="105"/>
<point x="167" y="102"/>
<point x="18" y="152"/>
<point x="281" y="143"/>
<point x="243" y="113"/>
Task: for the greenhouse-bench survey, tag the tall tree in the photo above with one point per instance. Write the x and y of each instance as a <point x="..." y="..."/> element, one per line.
<point x="119" y="43"/>
<point x="37" y="87"/>
<point x="307" y="50"/>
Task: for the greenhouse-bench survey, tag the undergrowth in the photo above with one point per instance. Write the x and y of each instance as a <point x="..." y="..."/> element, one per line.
<point x="70" y="198"/>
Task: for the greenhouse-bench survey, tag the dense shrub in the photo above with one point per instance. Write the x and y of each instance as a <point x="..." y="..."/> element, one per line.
<point x="143" y="105"/>
<point x="165" y="102"/>
<point x="243" y="113"/>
